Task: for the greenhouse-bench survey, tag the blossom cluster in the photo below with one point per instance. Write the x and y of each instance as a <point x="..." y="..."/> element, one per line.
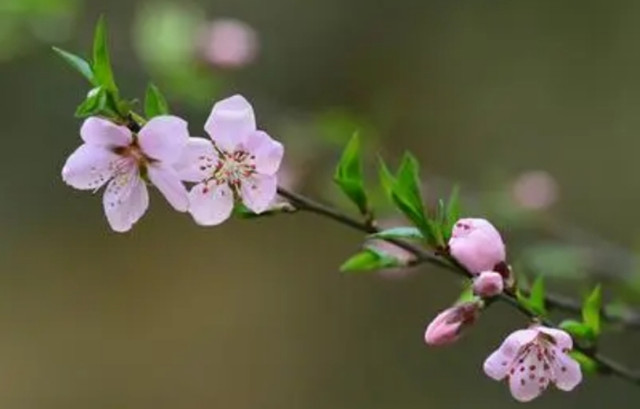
<point x="239" y="163"/>
<point x="529" y="359"/>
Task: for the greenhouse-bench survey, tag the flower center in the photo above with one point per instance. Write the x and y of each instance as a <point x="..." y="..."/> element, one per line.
<point x="133" y="152"/>
<point x="233" y="168"/>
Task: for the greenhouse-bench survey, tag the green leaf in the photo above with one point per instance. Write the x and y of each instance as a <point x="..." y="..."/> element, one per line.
<point x="349" y="175"/>
<point x="467" y="294"/>
<point x="588" y="365"/>
<point x="101" y="60"/>
<point x="369" y="259"/>
<point x="452" y="212"/>
<point x="387" y="180"/>
<point x="82" y="66"/>
<point x="591" y="310"/>
<point x="94" y="104"/>
<point x="155" y="103"/>
<point x="577" y="329"/>
<point x="537" y="296"/>
<point x="410" y="233"/>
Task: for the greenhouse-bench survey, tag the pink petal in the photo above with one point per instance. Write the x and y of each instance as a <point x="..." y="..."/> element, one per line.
<point x="164" y="137"/>
<point x="168" y="183"/>
<point x="567" y="371"/>
<point x="231" y="122"/>
<point x="210" y="204"/>
<point x="258" y="192"/>
<point x="561" y="338"/>
<point x="268" y="153"/>
<point x="497" y="365"/>
<point x="198" y="160"/>
<point x="125" y="200"/>
<point x="529" y="378"/>
<point x="100" y="132"/>
<point x="89" y="167"/>
<point x="494" y="365"/>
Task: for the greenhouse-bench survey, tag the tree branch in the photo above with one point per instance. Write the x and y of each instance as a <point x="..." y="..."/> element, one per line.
<point x="605" y="364"/>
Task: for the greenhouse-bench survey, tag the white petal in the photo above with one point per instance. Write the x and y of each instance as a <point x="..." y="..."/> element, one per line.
<point x="231" y="122"/>
<point x="168" y="183"/>
<point x="258" y="192"/>
<point x="100" y="132"/>
<point x="268" y="153"/>
<point x="164" y="137"/>
<point x="125" y="200"/>
<point x="210" y="205"/>
<point x="497" y="365"/>
<point x="89" y="167"/>
<point x="529" y="377"/>
<point x="198" y="160"/>
<point x="567" y="371"/>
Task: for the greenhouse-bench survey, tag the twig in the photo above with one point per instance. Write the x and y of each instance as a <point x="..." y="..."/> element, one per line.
<point x="605" y="364"/>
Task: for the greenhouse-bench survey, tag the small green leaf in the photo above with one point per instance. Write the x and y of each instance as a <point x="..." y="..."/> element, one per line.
<point x="577" y="329"/>
<point x="387" y="180"/>
<point x="591" y="310"/>
<point x="410" y="233"/>
<point x="587" y="364"/>
<point x="82" y="66"/>
<point x="101" y="60"/>
<point x="523" y="300"/>
<point x="467" y="294"/>
<point x="349" y="175"/>
<point x="94" y="104"/>
<point x="155" y="103"/>
<point x="369" y="259"/>
<point x="452" y="212"/>
<point x="537" y="296"/>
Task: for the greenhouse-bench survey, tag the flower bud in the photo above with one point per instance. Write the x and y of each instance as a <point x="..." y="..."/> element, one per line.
<point x="488" y="284"/>
<point x="447" y="326"/>
<point x="477" y="245"/>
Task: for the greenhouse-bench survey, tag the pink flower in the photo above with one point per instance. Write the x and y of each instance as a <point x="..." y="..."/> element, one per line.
<point x="535" y="190"/>
<point x="241" y="162"/>
<point x="477" y="245"/>
<point x="488" y="284"/>
<point x="228" y="43"/>
<point x="112" y="153"/>
<point x="531" y="359"/>
<point x="446" y="327"/>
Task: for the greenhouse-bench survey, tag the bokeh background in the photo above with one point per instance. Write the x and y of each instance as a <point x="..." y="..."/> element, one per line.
<point x="532" y="106"/>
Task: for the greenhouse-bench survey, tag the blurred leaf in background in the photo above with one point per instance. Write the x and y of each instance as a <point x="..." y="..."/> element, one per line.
<point x="24" y="23"/>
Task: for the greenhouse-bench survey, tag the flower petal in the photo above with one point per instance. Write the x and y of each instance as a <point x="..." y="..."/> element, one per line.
<point x="164" y="137"/>
<point x="497" y="365"/>
<point x="561" y="338"/>
<point x="528" y="379"/>
<point x="268" y="153"/>
<point x="166" y="179"/>
<point x="198" y="160"/>
<point x="100" y="132"/>
<point x="125" y="200"/>
<point x="231" y="122"/>
<point x="210" y="204"/>
<point x="567" y="371"/>
<point x="259" y="191"/>
<point x="89" y="167"/>
<point x="514" y="342"/>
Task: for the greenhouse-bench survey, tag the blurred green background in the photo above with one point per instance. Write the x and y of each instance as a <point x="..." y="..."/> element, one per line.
<point x="253" y="314"/>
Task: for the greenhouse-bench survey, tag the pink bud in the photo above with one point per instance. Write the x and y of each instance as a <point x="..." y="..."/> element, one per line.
<point x="446" y="327"/>
<point x="477" y="245"/>
<point x="488" y="284"/>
